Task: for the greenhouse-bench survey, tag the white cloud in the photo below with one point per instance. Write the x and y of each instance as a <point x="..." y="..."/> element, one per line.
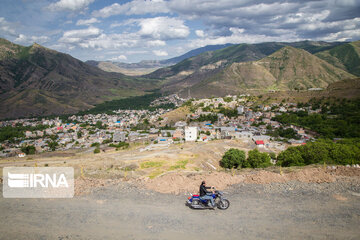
<point x="342" y="25"/>
<point x="160" y="53"/>
<point x="273" y="19"/>
<point x="69" y="5"/>
<point x="6" y="27"/>
<point x="131" y="52"/>
<point x="200" y="33"/>
<point x="104" y="41"/>
<point x="118" y="58"/>
<point x="31" y="39"/>
<point x="135" y="7"/>
<point x="341" y="36"/>
<point x="240" y="36"/>
<point x="224" y="21"/>
<point x="163" y="28"/>
<point x="87" y="21"/>
<point x="156" y="43"/>
<point x="75" y="36"/>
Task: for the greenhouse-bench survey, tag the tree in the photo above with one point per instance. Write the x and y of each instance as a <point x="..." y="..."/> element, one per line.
<point x="79" y="134"/>
<point x="290" y="157"/>
<point x="52" y="145"/>
<point x="345" y="154"/>
<point x="272" y="155"/>
<point x="54" y="137"/>
<point x="322" y="151"/>
<point x="228" y="112"/>
<point x="234" y="158"/>
<point x="227" y="99"/>
<point x="29" y="149"/>
<point x="100" y="125"/>
<point x="257" y="159"/>
<point x="316" y="152"/>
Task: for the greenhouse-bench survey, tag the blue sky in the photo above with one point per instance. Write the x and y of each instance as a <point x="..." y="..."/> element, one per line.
<point x="130" y="31"/>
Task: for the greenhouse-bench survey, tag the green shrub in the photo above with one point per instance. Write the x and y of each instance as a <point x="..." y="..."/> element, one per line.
<point x="52" y="145"/>
<point x="272" y="155"/>
<point x="290" y="157"/>
<point x="96" y="150"/>
<point x="257" y="159"/>
<point x="29" y="149"/>
<point x="120" y="145"/>
<point x="317" y="152"/>
<point x="322" y="151"/>
<point x="234" y="158"/>
<point x="107" y="141"/>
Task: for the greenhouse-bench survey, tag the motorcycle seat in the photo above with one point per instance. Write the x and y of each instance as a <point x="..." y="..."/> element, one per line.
<point x="196" y="196"/>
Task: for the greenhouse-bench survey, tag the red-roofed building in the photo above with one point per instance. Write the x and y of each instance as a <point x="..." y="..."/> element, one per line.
<point x="259" y="142"/>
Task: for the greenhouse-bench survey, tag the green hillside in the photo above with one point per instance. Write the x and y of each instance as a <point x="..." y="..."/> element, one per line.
<point x="346" y="57"/>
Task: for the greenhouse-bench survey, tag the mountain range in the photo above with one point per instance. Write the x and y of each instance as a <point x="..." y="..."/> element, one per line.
<point x="35" y="80"/>
<point x="148" y="66"/>
<point x="286" y="69"/>
<point x="235" y="69"/>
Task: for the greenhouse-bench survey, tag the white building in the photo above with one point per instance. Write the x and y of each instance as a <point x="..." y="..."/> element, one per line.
<point x="119" y="136"/>
<point x="191" y="133"/>
<point x="240" y="109"/>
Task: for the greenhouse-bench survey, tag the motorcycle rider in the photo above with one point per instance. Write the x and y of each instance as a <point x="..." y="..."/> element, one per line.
<point x="205" y="194"/>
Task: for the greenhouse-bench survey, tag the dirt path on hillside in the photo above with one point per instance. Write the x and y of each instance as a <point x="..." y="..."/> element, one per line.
<point x="291" y="210"/>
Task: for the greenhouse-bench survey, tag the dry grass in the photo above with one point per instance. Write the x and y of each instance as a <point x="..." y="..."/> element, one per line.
<point x="178" y="114"/>
<point x="150" y="164"/>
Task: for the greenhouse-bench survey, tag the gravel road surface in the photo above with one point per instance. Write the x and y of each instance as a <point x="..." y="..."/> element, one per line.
<point x="290" y="210"/>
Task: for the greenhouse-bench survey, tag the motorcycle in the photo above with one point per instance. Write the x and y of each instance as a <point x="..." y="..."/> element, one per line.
<point x="196" y="202"/>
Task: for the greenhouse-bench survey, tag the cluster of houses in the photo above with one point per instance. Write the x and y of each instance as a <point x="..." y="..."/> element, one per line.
<point x="170" y="99"/>
<point x="84" y="131"/>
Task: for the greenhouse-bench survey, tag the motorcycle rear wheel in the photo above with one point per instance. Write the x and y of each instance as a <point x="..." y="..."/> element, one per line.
<point x="223" y="204"/>
<point x="195" y="202"/>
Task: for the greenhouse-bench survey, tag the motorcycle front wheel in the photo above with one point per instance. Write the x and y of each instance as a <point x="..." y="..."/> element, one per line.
<point x="223" y="204"/>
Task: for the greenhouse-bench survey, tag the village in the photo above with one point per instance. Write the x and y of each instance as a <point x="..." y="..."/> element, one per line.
<point x="231" y="117"/>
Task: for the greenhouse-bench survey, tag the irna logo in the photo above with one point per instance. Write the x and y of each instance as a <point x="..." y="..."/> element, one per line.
<point x="38" y="182"/>
<point x="16" y="180"/>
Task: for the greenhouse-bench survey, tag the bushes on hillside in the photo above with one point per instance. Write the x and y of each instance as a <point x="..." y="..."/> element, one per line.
<point x="345" y="152"/>
<point x="120" y="145"/>
<point x="29" y="149"/>
<point x="338" y="119"/>
<point x="258" y="159"/>
<point x="322" y="151"/>
<point x="235" y="158"/>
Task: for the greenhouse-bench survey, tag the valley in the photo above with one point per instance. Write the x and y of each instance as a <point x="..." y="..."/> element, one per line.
<point x="36" y="81"/>
<point x="173" y="119"/>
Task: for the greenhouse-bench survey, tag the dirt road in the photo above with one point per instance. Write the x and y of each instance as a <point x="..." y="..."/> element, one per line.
<point x="291" y="210"/>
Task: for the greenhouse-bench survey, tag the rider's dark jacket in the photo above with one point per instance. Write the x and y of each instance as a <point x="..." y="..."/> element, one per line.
<point x="203" y="190"/>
